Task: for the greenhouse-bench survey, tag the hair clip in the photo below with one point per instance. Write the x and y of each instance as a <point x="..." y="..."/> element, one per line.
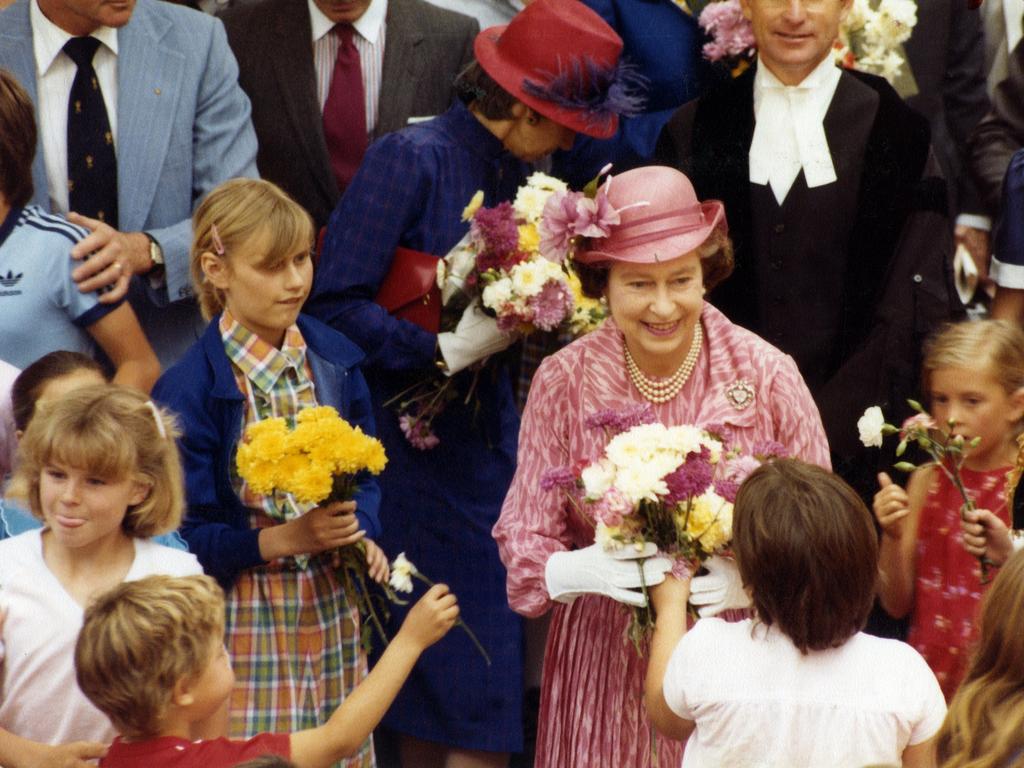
<point x="218" y="246"/>
<point x="158" y="419"/>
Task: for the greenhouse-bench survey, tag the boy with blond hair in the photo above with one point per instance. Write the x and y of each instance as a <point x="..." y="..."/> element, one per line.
<point x="151" y="657"/>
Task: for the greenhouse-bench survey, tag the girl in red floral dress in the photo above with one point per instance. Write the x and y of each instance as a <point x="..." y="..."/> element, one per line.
<point x="974" y="377"/>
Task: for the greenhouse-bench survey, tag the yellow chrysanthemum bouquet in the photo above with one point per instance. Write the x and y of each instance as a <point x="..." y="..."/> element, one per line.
<point x="317" y="462"/>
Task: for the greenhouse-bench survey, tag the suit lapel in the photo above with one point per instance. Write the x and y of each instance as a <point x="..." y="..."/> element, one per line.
<point x="296" y="81"/>
<point x="149" y="74"/>
<point x="18" y="57"/>
<point x="402" y="66"/>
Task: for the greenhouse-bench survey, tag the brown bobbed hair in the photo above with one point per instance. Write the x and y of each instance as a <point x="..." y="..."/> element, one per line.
<point x="29" y="385"/>
<point x="243" y="210"/>
<point x="716" y="263"/>
<point x="984" y="727"/>
<point x="139" y="639"/>
<point x="111" y="432"/>
<point x="474" y="86"/>
<point x="807" y="550"/>
<point x="17" y="141"/>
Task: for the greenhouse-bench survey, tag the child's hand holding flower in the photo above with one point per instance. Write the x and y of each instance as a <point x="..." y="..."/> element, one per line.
<point x="376" y="562"/>
<point x="985" y="535"/>
<point x="891" y="505"/>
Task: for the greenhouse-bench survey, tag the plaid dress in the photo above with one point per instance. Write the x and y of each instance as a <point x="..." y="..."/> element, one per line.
<point x="292" y="631"/>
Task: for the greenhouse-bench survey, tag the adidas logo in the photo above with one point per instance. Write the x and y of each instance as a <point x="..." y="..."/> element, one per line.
<point x="10" y="279"/>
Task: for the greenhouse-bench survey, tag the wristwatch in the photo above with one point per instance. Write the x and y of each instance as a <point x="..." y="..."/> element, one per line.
<point x="156" y="253"/>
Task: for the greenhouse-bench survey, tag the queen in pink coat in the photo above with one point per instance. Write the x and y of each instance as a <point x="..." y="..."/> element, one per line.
<point x="666" y="346"/>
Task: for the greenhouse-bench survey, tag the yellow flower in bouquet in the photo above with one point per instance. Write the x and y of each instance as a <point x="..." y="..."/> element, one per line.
<point x="708" y="521"/>
<point x="314" y="462"/>
<point x="588" y="313"/>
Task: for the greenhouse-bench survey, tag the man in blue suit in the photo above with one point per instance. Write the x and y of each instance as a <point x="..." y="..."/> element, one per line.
<point x="179" y="126"/>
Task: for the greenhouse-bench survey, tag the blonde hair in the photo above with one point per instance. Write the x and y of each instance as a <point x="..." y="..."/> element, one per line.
<point x="112" y="432"/>
<point x="996" y="345"/>
<point x="140" y="639"/>
<point x="984" y="727"/>
<point x="241" y="209"/>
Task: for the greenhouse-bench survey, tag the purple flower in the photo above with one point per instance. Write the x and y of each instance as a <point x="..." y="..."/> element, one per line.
<point x="551" y="305"/>
<point x="692" y="478"/>
<point x="558" y="478"/>
<point x="727" y="489"/>
<point x="508" y="323"/>
<point x="496" y="228"/>
<point x="418" y="432"/>
<point x="769" y="449"/>
<point x="556" y="225"/>
<point x="620" y="421"/>
<point x="611" y="508"/>
<point x="596" y="216"/>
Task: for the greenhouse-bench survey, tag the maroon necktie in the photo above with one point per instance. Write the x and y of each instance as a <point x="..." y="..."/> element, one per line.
<point x="345" y="110"/>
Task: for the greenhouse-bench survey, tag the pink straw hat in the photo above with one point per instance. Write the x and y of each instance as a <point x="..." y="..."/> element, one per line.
<point x="660" y="218"/>
<point x="562" y="60"/>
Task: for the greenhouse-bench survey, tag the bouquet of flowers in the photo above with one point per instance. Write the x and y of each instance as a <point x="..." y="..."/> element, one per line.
<point x="500" y="258"/>
<point x="871" y="37"/>
<point x="499" y="263"/>
<point x="671" y="486"/>
<point x="945" y="448"/>
<point x="317" y="463"/>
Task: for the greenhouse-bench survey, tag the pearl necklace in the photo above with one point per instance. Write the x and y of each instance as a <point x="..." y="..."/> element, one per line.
<point x="662" y="390"/>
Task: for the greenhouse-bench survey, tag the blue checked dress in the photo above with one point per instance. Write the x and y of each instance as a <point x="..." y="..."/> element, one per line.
<point x="437" y="506"/>
<point x="291" y="630"/>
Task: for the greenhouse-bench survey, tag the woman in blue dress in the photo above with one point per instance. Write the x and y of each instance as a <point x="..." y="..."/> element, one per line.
<point x="438" y="506"/>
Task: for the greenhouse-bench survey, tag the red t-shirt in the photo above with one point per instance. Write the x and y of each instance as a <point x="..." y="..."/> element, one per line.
<point x="172" y="752"/>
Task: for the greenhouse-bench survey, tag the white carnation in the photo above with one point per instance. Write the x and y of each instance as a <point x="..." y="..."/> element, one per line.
<point x="497" y="294"/>
<point x="527" y="278"/>
<point x="870" y="427"/>
<point x="598" y="478"/>
<point x="640" y="481"/>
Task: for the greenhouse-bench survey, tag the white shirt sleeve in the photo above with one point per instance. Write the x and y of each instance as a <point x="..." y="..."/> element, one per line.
<point x="927" y="694"/>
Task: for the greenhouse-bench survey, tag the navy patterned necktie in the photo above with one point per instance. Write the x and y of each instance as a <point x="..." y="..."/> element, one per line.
<point x="92" y="164"/>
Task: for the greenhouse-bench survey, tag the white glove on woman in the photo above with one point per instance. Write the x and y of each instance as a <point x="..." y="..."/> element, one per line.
<point x="594" y="571"/>
<point x="720" y="590"/>
<point x="474" y="338"/>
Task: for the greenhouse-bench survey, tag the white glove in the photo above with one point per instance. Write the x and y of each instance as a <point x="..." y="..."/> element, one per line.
<point x="594" y="571"/>
<point x="720" y="590"/>
<point x="474" y="338"/>
<point x="454" y="268"/>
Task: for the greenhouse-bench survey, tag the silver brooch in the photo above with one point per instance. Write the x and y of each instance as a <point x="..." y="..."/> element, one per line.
<point x="740" y="394"/>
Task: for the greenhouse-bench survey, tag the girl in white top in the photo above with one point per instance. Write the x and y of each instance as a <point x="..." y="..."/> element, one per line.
<point x="800" y="684"/>
<point x="100" y="468"/>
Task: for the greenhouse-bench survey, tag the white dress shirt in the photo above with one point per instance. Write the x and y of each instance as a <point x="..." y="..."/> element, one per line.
<point x="371" y="29"/>
<point x="55" y="73"/>
<point x="789" y="134"/>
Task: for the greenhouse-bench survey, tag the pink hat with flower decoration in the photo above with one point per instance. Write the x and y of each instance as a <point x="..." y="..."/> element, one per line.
<point x="653" y="215"/>
<point x="562" y="60"/>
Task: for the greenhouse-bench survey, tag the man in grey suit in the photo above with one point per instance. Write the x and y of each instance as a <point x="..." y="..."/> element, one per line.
<point x="179" y="126"/>
<point x="410" y="51"/>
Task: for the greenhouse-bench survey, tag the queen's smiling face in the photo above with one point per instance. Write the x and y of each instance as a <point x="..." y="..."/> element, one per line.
<point x="657" y="306"/>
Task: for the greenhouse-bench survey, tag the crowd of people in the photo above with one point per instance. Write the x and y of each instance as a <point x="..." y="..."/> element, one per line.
<point x="202" y="210"/>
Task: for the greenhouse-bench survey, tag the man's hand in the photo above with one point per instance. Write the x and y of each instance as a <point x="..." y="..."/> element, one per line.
<point x="109" y="258"/>
<point x="976" y="241"/>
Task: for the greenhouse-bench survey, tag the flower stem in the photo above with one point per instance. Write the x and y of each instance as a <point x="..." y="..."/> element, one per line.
<point x="459" y="622"/>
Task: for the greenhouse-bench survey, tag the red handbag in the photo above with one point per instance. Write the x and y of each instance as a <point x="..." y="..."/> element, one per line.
<point x="410" y="291"/>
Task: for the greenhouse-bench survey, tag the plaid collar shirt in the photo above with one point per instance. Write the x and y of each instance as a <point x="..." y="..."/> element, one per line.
<point x="276" y="383"/>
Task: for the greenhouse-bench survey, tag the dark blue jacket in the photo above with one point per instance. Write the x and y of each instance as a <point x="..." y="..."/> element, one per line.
<point x="201" y="389"/>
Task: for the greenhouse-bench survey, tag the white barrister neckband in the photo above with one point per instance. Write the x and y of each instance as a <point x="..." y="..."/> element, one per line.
<point x="789" y="134"/>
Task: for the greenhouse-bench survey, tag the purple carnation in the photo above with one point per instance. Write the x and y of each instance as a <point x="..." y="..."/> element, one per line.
<point x="620" y="421"/>
<point x="611" y="508"/>
<point x="727" y="489"/>
<point x="692" y="478"/>
<point x="551" y="305"/>
<point x="730" y="32"/>
<point x="769" y="449"/>
<point x="558" y="477"/>
<point x="496" y="227"/>
<point x="418" y="432"/>
<point x="596" y="216"/>
<point x="737" y="469"/>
